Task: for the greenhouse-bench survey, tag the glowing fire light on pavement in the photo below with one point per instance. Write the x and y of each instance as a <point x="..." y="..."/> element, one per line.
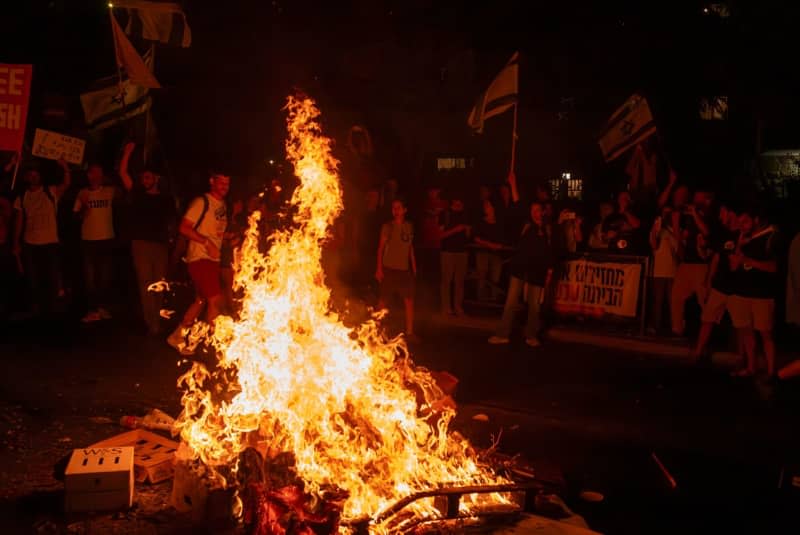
<point x="350" y="406"/>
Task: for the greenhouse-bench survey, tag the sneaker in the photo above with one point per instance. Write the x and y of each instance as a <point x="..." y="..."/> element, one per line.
<point x="91" y="317"/>
<point x="178" y="342"/>
<point x="103" y="313"/>
<point x="533" y="341"/>
<point x="497" y="340"/>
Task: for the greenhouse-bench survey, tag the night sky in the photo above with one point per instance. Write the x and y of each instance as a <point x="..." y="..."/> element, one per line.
<point x="410" y="71"/>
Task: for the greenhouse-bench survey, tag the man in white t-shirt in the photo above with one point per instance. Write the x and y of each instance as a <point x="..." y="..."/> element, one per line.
<point x="36" y="236"/>
<point x="204" y="226"/>
<point x="95" y="204"/>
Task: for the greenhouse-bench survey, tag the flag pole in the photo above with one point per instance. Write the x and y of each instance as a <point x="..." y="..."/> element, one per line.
<point x="116" y="48"/>
<point x="514" y="141"/>
<point x="16" y="168"/>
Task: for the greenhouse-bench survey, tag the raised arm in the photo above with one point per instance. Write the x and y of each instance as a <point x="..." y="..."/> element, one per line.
<point x="654" y="232"/>
<point x="127" y="181"/>
<point x="663" y="198"/>
<point x="632" y="220"/>
<point x="381" y="247"/>
<point x="512" y="184"/>
<point x="11" y="163"/>
<point x="67" y="178"/>
<point x="702" y="226"/>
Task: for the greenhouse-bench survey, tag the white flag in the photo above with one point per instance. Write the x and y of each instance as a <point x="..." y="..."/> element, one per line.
<point x="164" y="22"/>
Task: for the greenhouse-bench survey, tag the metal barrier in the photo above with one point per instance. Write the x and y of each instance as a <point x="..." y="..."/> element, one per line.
<point x="590" y="285"/>
<point x="602" y="285"/>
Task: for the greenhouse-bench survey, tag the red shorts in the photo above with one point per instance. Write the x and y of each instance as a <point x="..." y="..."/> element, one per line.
<point x="206" y="277"/>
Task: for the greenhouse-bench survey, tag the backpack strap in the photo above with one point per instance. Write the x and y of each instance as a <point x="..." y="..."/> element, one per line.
<point x="203" y="213"/>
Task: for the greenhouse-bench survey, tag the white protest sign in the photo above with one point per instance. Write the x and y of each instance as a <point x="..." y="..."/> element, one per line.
<point x="598" y="288"/>
<point x="52" y="145"/>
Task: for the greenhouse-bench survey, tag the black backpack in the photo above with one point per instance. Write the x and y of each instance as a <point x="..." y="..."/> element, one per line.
<point x="182" y="243"/>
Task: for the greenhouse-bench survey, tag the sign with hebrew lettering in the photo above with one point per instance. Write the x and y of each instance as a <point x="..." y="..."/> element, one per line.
<point x="52" y="145"/>
<point x="597" y="288"/>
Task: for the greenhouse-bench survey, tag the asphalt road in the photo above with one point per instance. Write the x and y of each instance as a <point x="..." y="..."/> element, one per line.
<point x="594" y="416"/>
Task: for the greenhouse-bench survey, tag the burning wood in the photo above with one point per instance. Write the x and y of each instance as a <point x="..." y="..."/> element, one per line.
<point x="344" y="421"/>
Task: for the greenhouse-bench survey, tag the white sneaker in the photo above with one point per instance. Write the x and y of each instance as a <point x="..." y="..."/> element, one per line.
<point x="178" y="341"/>
<point x="533" y="341"/>
<point x="91" y="317"/>
<point x="103" y="313"/>
<point x="497" y="340"/>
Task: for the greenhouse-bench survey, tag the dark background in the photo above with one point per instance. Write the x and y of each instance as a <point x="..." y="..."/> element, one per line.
<point x="409" y="71"/>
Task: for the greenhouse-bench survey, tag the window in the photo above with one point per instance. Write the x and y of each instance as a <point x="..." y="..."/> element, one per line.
<point x="574" y="187"/>
<point x="566" y="187"/>
<point x="714" y="108"/>
<point x="443" y="164"/>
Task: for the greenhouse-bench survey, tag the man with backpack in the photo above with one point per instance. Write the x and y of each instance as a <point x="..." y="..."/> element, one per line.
<point x="36" y="236"/>
<point x="203" y="225"/>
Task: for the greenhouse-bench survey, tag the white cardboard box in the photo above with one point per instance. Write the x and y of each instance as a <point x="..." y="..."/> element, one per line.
<point x="99" y="479"/>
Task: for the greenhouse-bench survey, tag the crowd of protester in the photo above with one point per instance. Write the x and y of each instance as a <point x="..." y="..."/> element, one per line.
<point x="488" y="247"/>
<point x="713" y="262"/>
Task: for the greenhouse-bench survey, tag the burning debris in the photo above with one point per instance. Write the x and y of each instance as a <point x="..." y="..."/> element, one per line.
<point x="344" y="423"/>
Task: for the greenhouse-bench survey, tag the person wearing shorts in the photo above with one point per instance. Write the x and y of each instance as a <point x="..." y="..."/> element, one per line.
<point x="397" y="266"/>
<point x="204" y="226"/>
<point x="720" y="278"/>
<point x="752" y="305"/>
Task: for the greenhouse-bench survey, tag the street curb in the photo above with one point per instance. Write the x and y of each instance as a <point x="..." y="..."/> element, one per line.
<point x="630" y="344"/>
<point x="657" y="347"/>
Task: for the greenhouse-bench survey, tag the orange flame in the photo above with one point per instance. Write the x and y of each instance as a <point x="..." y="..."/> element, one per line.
<point x="350" y="405"/>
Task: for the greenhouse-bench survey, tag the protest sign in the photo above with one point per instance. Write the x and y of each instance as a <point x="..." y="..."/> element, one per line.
<point x="598" y="288"/>
<point x="52" y="145"/>
<point x="15" y="89"/>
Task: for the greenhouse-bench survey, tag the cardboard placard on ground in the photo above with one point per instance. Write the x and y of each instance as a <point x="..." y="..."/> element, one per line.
<point x="99" y="479"/>
<point x="153" y="457"/>
<point x="193" y="494"/>
<point x="52" y="145"/>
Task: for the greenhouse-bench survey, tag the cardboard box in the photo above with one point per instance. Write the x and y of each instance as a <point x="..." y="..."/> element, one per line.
<point x="153" y="457"/>
<point x="99" y="479"/>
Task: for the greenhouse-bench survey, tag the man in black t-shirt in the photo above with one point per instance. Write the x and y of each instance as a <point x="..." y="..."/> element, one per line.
<point x="752" y="306"/>
<point x="719" y="279"/>
<point x="531" y="266"/>
<point x="455" y="236"/>
<point x="488" y="262"/>
<point x="692" y="229"/>
<point x="622" y="226"/>
<point x="152" y="218"/>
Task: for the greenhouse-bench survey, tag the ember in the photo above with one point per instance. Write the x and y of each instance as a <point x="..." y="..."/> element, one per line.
<point x="342" y="412"/>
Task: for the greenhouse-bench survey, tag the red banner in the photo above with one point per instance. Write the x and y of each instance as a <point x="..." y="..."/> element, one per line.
<point x="15" y="90"/>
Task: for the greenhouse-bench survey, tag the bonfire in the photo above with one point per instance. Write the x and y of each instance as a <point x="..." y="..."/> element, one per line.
<point x="339" y="421"/>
